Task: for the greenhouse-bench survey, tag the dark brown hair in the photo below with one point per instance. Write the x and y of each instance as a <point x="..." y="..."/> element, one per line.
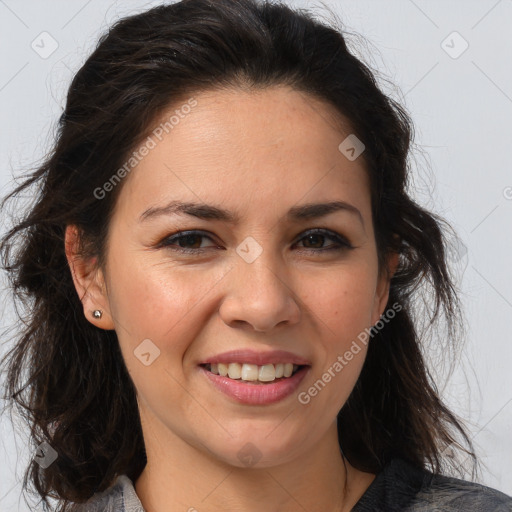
<point x="77" y="393"/>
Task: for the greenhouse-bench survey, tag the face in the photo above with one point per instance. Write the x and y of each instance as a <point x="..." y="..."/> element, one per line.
<point x="266" y="280"/>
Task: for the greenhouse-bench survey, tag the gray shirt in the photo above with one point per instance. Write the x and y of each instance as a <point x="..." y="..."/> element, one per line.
<point x="399" y="487"/>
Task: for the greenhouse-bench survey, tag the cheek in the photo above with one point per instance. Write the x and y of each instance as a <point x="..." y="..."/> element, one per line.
<point x="343" y="300"/>
<point x="157" y="302"/>
<point x="343" y="303"/>
<point x="160" y="303"/>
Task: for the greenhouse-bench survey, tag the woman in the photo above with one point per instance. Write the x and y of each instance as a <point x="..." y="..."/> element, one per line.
<point x="223" y="265"/>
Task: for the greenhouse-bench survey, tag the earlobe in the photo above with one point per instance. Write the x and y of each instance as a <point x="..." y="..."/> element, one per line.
<point x="88" y="280"/>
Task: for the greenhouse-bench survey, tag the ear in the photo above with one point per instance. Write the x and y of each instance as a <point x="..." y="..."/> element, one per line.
<point x="88" y="279"/>
<point x="382" y="291"/>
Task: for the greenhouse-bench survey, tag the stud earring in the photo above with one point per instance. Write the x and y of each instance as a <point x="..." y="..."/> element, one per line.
<point x="97" y="313"/>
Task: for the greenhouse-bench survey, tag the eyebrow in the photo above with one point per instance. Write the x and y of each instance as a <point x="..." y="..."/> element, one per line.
<point x="211" y="212"/>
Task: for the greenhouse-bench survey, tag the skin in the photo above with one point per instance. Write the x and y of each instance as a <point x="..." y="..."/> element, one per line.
<point x="256" y="154"/>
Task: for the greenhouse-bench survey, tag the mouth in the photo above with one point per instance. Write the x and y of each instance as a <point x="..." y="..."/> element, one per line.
<point x="244" y="383"/>
<point x="253" y="374"/>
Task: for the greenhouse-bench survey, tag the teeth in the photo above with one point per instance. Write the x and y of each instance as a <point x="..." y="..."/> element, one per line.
<point x="234" y="371"/>
<point x="222" y="369"/>
<point x="267" y="373"/>
<point x="253" y="372"/>
<point x="249" y="372"/>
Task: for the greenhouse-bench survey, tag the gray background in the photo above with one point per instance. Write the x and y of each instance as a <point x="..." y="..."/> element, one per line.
<point x="461" y="103"/>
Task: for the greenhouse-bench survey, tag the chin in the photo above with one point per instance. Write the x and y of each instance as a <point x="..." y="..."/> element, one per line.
<point x="253" y="451"/>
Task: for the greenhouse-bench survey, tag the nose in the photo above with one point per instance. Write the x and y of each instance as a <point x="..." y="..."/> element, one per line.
<point x="259" y="295"/>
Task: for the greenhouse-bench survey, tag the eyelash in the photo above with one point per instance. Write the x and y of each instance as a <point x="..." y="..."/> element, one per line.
<point x="168" y="242"/>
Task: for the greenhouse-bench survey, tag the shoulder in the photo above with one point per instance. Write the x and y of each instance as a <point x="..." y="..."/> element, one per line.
<point x="452" y="494"/>
<point x="448" y="494"/>
<point x="405" y="488"/>
<point x="119" y="497"/>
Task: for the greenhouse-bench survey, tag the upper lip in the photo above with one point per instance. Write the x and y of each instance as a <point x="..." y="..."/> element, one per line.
<point x="258" y="358"/>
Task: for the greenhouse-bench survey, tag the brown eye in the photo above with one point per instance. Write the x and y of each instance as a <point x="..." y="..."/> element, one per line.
<point x="190" y="242"/>
<point x="315" y="239"/>
<point x="185" y="241"/>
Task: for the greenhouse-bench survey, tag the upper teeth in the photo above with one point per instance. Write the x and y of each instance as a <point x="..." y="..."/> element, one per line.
<point x="265" y="373"/>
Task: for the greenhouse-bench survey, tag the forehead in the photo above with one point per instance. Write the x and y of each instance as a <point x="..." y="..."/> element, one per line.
<point x="260" y="117"/>
<point x="233" y="144"/>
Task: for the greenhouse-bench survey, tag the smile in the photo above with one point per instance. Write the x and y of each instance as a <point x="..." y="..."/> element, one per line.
<point x="245" y="385"/>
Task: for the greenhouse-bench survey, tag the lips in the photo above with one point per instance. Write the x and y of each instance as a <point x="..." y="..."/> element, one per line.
<point x="250" y="393"/>
<point x="257" y="358"/>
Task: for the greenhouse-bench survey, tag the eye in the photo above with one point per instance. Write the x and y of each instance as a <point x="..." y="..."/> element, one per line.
<point x="318" y="236"/>
<point x="185" y="239"/>
<point x="189" y="242"/>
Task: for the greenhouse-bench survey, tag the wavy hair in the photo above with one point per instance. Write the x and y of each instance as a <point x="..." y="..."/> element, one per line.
<point x="68" y="378"/>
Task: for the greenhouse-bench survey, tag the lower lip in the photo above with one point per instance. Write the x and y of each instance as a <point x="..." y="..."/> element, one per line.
<point x="257" y="394"/>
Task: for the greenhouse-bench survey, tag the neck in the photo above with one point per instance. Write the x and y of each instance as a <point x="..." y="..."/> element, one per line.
<point x="179" y="476"/>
